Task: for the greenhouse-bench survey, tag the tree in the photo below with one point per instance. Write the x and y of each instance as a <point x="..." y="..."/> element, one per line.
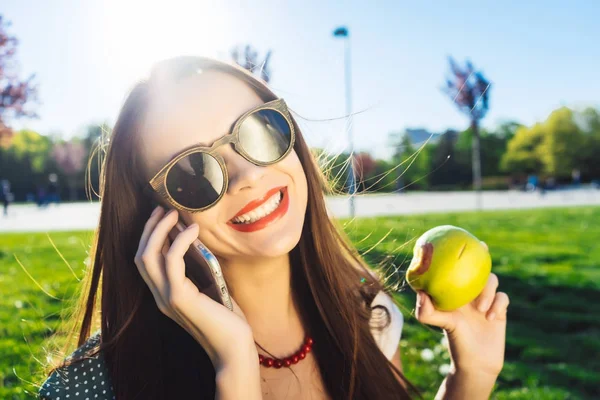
<point x="493" y="145"/>
<point x="562" y="144"/>
<point x="35" y="147"/>
<point x="469" y="90"/>
<point x="522" y="153"/>
<point x="446" y="167"/>
<point x="413" y="164"/>
<point x="25" y="162"/>
<point x="248" y="59"/>
<point x="589" y="122"/>
<point x="364" y="166"/>
<point x="553" y="147"/>
<point x="70" y="157"/>
<point x="507" y="129"/>
<point x="95" y="143"/>
<point x="383" y="179"/>
<point x="15" y="94"/>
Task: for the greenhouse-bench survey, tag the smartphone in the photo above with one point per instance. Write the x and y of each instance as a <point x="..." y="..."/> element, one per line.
<point x="203" y="268"/>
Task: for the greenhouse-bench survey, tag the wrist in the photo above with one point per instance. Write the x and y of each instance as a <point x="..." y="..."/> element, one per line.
<point x="474" y="373"/>
<point x="239" y="380"/>
<point x="237" y="364"/>
<point x="243" y="353"/>
<point x="471" y="384"/>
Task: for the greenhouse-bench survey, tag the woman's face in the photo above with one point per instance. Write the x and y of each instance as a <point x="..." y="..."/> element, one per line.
<point x="201" y="109"/>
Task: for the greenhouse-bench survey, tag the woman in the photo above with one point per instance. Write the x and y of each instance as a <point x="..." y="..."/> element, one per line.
<point x="309" y="319"/>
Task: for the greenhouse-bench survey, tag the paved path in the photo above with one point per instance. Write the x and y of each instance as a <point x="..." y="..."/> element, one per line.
<point x="29" y="218"/>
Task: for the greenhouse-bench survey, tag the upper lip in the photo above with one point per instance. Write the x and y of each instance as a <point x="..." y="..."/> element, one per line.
<point x="258" y="202"/>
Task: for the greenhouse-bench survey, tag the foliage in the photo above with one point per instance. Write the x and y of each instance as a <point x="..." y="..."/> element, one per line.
<point x="589" y="123"/>
<point x="493" y="147"/>
<point x="565" y="141"/>
<point x="448" y="164"/>
<point x="26" y="162"/>
<point x="69" y="156"/>
<point x="35" y="147"/>
<point x="16" y="95"/>
<point x="468" y="89"/>
<point x="385" y="178"/>
<point x="413" y="163"/>
<point x="364" y="166"/>
<point x="32" y="157"/>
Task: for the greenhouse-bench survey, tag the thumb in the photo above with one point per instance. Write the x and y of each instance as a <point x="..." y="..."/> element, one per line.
<point x="426" y="313"/>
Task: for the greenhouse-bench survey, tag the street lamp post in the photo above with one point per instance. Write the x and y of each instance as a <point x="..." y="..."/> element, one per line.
<point x="351" y="181"/>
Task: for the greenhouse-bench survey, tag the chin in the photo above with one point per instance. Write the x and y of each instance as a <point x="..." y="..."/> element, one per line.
<point x="281" y="243"/>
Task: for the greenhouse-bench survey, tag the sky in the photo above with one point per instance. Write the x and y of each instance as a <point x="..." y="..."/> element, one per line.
<point x="539" y="55"/>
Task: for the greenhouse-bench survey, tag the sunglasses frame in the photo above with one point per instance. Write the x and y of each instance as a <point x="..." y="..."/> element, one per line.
<point x="158" y="183"/>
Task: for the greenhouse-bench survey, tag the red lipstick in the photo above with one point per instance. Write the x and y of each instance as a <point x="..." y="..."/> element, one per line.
<point x="269" y="219"/>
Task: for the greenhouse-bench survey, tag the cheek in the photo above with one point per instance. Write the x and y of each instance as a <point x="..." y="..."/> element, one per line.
<point x="294" y="169"/>
<point x="292" y="166"/>
<point x="205" y="220"/>
<point x="210" y="232"/>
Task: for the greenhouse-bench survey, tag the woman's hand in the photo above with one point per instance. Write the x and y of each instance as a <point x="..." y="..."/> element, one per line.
<point x="476" y="332"/>
<point x="225" y="336"/>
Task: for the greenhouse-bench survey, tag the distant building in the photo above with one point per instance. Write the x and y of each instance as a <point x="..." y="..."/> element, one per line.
<point x="418" y="136"/>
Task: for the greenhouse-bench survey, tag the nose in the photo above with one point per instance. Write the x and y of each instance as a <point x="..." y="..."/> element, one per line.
<point x="243" y="174"/>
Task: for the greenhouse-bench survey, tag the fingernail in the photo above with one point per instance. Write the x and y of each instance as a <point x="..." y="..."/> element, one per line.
<point x="173" y="211"/>
<point x="156" y="210"/>
<point x="491" y="316"/>
<point x="420" y="298"/>
<point x="191" y="227"/>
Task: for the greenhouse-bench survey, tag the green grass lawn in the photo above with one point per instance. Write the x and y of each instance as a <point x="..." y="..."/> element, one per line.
<point x="547" y="260"/>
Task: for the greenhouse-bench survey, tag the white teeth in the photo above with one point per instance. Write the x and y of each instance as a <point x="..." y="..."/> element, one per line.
<point x="267" y="208"/>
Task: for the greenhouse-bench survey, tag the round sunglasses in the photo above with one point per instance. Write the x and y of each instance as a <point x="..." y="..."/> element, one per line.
<point x="196" y="178"/>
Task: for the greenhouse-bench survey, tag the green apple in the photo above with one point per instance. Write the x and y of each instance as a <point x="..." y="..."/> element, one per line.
<point x="451" y="265"/>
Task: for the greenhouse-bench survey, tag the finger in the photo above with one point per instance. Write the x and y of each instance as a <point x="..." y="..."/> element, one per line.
<point x="426" y="313"/>
<point x="164" y="250"/>
<point x="149" y="226"/>
<point x="499" y="307"/>
<point x="139" y="257"/>
<point x="175" y="266"/>
<point x="486" y="297"/>
<point x="157" y="286"/>
<point x="165" y="247"/>
<point x="151" y="255"/>
<point x="161" y="231"/>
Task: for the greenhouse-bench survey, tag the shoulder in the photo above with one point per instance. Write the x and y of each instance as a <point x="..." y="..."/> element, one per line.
<point x="85" y="378"/>
<point x="386" y="323"/>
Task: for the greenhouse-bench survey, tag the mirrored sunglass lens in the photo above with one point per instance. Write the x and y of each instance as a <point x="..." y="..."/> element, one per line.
<point x="196" y="180"/>
<point x="265" y="135"/>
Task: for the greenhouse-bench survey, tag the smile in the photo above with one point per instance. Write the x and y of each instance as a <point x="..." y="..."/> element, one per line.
<point x="261" y="213"/>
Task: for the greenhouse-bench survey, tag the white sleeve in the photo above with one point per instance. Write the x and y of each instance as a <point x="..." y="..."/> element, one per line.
<point x="387" y="338"/>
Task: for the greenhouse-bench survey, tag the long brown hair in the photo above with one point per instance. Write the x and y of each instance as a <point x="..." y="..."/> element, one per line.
<point x="151" y="357"/>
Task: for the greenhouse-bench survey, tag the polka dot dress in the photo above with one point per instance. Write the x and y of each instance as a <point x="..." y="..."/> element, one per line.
<point x="88" y="379"/>
<point x="84" y="380"/>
